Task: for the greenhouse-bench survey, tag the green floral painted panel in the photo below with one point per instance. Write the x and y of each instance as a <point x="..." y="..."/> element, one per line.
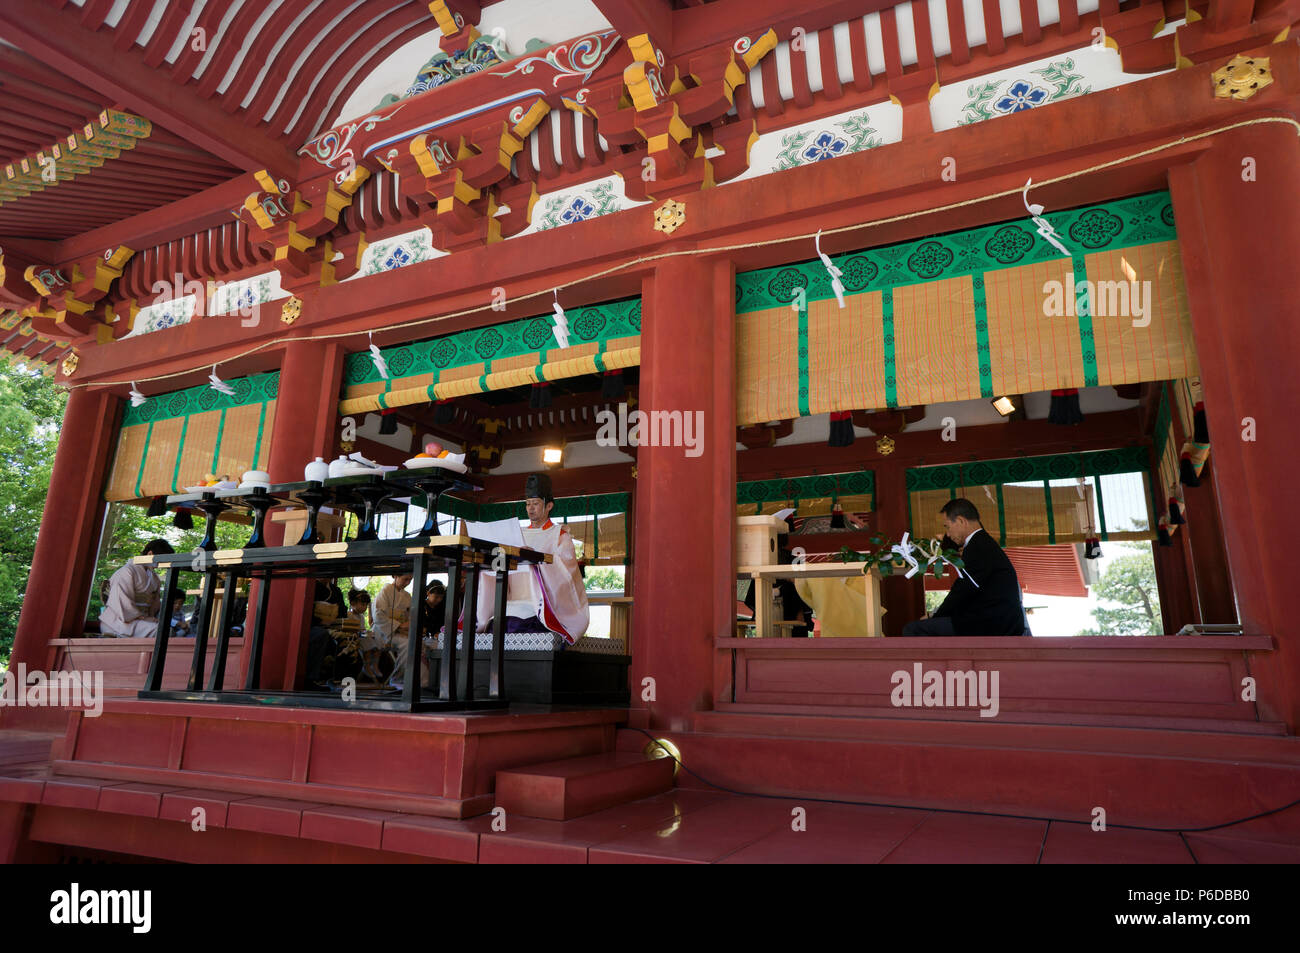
<point x="1139" y="220"/>
<point x="568" y="208"/>
<point x="817" y="143"/>
<point x="1003" y="97"/>
<point x="587" y="324"/>
<point x="195" y="400"/>
<point x="857" y="483"/>
<point x="1061" y="466"/>
<point x="570" y="506"/>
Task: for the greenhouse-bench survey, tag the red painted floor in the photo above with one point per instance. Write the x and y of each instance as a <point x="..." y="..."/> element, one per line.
<point x="687" y="826"/>
<point x="681" y="826"/>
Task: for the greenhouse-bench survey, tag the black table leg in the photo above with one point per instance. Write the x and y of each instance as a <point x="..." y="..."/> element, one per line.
<point x="432" y="493"/>
<point x="313" y="498"/>
<point x="153" y="682"/>
<point x="497" y="676"/>
<point x="259" y="503"/>
<point x="212" y="508"/>
<point x="259" y="626"/>
<point x="447" y="669"/>
<point x="201" y="630"/>
<point x="465" y="676"/>
<point x="372" y="496"/>
<point x="217" y="680"/>
<point x="415" y="638"/>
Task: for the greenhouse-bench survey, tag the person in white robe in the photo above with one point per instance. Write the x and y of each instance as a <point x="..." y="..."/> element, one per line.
<point x="547" y="597"/>
<point x="134" y="598"/>
<point x="393" y="627"/>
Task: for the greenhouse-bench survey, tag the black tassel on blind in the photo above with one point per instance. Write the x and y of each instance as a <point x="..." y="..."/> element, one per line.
<point x="1187" y="471"/>
<point x="1065" y="407"/>
<point x="541" y="396"/>
<point x="1092" y="548"/>
<point x="157" y="506"/>
<point x="444" y="412"/>
<point x="1162" y="534"/>
<point x="387" y="422"/>
<point x="1175" y="512"/>
<point x="612" y="386"/>
<point x="837" y="516"/>
<point x="841" y="432"/>
<point x="182" y="520"/>
<point x="1200" y="429"/>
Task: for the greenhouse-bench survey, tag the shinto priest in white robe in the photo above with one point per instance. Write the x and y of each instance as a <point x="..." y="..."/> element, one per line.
<point x="553" y="592"/>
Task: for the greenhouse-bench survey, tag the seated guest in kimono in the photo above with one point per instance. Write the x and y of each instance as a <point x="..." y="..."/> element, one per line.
<point x="542" y="597"/>
<point x="180" y="620"/>
<point x="322" y="647"/>
<point x="376" y="665"/>
<point x="393" y="624"/>
<point x="435" y="607"/>
<point x="359" y="607"/>
<point x="134" y="601"/>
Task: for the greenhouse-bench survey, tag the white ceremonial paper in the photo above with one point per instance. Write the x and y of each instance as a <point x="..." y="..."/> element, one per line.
<point x="503" y="532"/>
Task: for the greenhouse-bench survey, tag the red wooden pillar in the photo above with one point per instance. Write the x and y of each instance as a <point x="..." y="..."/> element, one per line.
<point x="63" y="565"/>
<point x="1175" y="569"/>
<point x="1204" y="532"/>
<point x="306" y="421"/>
<point x="1173" y="579"/>
<point x="1241" y="296"/>
<point x="903" y="599"/>
<point x="685" y="505"/>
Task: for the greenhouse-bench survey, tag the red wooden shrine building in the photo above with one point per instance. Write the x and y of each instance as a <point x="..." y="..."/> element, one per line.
<point x="261" y="191"/>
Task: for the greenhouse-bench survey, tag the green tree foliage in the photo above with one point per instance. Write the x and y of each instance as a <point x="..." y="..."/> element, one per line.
<point x="603" y="578"/>
<point x="127" y="529"/>
<point x="31" y="412"/>
<point x="1129" y="585"/>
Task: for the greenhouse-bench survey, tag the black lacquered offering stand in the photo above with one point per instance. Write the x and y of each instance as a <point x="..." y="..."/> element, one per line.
<point x="366" y="495"/>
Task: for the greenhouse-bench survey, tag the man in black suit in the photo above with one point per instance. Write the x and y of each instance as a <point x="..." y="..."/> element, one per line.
<point x="990" y="606"/>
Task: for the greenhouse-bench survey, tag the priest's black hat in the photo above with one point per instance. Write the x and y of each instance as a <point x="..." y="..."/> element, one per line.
<point x="538" y="487"/>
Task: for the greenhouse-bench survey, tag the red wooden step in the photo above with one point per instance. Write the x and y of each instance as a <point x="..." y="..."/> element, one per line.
<point x="20" y="747"/>
<point x="560" y="790"/>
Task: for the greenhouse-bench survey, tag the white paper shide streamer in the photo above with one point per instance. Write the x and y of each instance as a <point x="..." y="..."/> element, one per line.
<point x="217" y="384"/>
<point x="137" y="398"/>
<point x="561" y="323"/>
<point x="1044" y="226"/>
<point x="380" y="364"/>
<point x="913" y="553"/>
<point x="836" y="285"/>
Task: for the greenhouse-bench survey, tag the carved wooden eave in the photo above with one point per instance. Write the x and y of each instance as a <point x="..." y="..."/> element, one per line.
<point x="295" y="223"/>
<point x="68" y="295"/>
<point x="664" y="112"/>
<point x="453" y="147"/>
<point x="81" y="151"/>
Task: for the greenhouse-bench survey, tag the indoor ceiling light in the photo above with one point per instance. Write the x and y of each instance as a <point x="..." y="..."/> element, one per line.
<point x="553" y="456"/>
<point x="1003" y="405"/>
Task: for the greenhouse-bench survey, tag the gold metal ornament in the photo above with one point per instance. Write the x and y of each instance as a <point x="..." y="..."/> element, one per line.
<point x="70" y="364"/>
<point x="292" y="310"/>
<point x="663" y="748"/>
<point x="1242" y="77"/>
<point x="885" y="446"/>
<point x="670" y="216"/>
